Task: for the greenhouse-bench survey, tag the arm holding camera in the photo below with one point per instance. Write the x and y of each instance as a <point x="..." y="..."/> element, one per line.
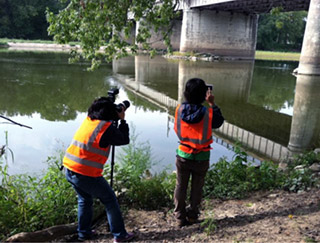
<point x="116" y="135"/>
<point x="218" y="119"/>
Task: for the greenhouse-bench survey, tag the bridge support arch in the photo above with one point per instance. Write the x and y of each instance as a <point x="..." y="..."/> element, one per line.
<point x="219" y="33"/>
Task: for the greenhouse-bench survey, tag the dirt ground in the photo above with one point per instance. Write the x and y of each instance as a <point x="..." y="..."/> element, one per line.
<point x="276" y="216"/>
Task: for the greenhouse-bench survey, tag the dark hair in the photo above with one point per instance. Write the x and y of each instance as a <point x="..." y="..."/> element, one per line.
<point x="195" y="91"/>
<point x="102" y="109"/>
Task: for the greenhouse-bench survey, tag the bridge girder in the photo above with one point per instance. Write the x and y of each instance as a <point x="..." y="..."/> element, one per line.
<point x="249" y="6"/>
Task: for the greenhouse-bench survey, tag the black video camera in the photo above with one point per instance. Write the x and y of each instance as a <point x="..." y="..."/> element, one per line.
<point x="112" y="96"/>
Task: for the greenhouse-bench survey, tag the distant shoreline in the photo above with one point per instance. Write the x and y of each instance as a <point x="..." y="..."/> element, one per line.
<point x="47" y="46"/>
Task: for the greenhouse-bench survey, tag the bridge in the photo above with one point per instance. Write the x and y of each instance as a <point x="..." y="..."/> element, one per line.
<point x="247" y="6"/>
<point x="228" y="29"/>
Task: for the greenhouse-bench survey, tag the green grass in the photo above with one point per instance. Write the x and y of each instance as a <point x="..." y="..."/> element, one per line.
<point x="277" y="56"/>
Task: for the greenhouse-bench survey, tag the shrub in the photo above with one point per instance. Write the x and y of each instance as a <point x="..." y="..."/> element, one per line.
<point x="236" y="178"/>
<point x="30" y="203"/>
<point x="296" y="180"/>
<point x="134" y="183"/>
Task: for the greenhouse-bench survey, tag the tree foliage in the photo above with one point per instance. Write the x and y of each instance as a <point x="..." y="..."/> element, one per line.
<point x="25" y="19"/>
<point x="108" y="24"/>
<point x="282" y="31"/>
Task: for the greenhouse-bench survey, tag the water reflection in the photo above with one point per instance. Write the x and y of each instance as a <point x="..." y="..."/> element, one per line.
<point x="257" y="100"/>
<point x="40" y="83"/>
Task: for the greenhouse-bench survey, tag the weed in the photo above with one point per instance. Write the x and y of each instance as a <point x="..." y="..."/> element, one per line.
<point x="30" y="203"/>
<point x="209" y="223"/>
<point x="134" y="183"/>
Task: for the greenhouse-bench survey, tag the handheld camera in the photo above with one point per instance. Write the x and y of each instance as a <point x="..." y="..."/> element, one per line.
<point x="112" y="96"/>
<point x="210" y="86"/>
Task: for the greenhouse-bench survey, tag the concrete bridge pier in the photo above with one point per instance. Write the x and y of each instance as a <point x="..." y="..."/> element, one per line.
<point x="219" y="33"/>
<point x="305" y="126"/>
<point x="310" y="54"/>
<point x="156" y="39"/>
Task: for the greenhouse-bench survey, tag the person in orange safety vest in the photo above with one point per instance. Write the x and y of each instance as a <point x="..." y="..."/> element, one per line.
<point x="84" y="161"/>
<point x="193" y="126"/>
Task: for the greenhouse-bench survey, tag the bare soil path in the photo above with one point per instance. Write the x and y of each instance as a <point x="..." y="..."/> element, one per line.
<point x="276" y="216"/>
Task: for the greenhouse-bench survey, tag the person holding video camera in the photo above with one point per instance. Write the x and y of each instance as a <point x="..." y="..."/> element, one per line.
<point x="84" y="161"/>
<point x="193" y="126"/>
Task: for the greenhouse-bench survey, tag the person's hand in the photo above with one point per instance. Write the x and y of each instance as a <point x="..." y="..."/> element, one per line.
<point x="121" y="114"/>
<point x="210" y="98"/>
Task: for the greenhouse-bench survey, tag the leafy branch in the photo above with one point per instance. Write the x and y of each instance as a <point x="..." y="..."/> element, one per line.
<point x="103" y="27"/>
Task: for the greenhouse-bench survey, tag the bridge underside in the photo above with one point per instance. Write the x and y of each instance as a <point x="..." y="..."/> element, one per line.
<point x="253" y="6"/>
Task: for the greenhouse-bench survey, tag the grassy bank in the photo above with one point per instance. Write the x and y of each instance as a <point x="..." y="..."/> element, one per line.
<point x="277" y="56"/>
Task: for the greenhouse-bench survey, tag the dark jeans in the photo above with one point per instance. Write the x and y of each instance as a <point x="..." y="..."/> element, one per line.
<point x="197" y="170"/>
<point x="87" y="188"/>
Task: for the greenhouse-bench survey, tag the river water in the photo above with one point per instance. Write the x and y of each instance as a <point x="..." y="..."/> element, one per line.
<point x="265" y="106"/>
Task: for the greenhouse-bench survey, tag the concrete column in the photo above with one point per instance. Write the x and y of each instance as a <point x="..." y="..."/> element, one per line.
<point x="310" y="54"/>
<point x="131" y="39"/>
<point x="219" y="33"/>
<point x="305" y="127"/>
<point x="156" y="40"/>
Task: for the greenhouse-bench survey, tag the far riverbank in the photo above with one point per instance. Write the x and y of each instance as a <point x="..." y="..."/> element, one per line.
<point x="39" y="45"/>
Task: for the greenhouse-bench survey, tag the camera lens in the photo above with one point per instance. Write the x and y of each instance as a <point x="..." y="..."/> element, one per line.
<point x="124" y="104"/>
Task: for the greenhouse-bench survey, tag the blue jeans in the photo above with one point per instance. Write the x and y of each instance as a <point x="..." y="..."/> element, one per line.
<point x="88" y="188"/>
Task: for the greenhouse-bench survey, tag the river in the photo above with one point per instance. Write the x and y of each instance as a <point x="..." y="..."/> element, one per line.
<point x="43" y="91"/>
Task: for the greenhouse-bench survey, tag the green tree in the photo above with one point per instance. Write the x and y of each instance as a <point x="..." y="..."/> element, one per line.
<point x="108" y="23"/>
<point x="25" y="19"/>
<point x="282" y="31"/>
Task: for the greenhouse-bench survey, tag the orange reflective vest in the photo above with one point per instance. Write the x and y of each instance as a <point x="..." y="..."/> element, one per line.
<point x="196" y="137"/>
<point x="84" y="156"/>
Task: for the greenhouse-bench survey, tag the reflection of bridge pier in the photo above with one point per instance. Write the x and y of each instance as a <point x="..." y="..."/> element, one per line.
<point x="162" y="82"/>
<point x="235" y="88"/>
<point x="231" y="80"/>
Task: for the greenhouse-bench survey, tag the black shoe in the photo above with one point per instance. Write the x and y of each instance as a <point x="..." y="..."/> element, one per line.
<point x="87" y="237"/>
<point x="183" y="222"/>
<point x="192" y="220"/>
<point x="127" y="238"/>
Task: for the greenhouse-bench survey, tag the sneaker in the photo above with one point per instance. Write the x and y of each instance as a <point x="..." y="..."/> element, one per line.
<point x="128" y="237"/>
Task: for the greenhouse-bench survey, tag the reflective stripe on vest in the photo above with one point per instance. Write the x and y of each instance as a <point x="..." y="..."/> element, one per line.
<point x="204" y="139"/>
<point x="84" y="155"/>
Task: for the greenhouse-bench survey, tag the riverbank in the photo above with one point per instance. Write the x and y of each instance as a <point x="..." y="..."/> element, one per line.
<point x="51" y="46"/>
<point x="274" y="216"/>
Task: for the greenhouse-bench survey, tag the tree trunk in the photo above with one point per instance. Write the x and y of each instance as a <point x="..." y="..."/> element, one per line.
<point x="45" y="235"/>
